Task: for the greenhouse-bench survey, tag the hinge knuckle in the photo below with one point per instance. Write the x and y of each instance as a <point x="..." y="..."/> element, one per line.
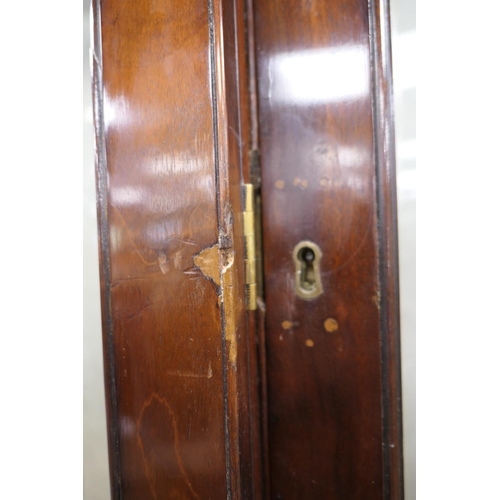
<point x="250" y="251"/>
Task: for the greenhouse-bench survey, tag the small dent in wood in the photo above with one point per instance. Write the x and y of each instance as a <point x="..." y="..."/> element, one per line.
<point x="331" y="325"/>
<point x="162" y="262"/>
<point x="279" y="184"/>
<point x="301" y="183"/>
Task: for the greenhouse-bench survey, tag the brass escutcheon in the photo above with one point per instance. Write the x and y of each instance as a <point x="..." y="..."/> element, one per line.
<point x="307" y="256"/>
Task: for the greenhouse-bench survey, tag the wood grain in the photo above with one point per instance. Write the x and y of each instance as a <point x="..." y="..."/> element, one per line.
<point x="169" y="176"/>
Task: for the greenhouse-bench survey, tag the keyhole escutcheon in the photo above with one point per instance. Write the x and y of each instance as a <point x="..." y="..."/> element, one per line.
<point x="307" y="257"/>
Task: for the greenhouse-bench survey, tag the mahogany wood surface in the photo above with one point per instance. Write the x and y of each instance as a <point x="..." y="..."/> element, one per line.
<point x="324" y="180"/>
<point x="169" y="162"/>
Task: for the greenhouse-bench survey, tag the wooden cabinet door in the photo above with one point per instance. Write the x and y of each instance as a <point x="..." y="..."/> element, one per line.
<point x="212" y="392"/>
<point x="327" y="195"/>
<point x="173" y="299"/>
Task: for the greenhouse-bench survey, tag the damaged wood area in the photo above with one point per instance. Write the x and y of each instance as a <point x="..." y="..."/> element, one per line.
<point x="217" y="265"/>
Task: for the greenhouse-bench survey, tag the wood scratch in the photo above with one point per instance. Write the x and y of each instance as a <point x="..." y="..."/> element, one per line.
<point x="119" y="281"/>
<point x="187" y="241"/>
<point x="96" y="59"/>
<point x="134" y="315"/>
<point x="179" y="373"/>
<point x="353" y="254"/>
<point x="162" y="259"/>
<point x="163" y="402"/>
<point x="136" y="249"/>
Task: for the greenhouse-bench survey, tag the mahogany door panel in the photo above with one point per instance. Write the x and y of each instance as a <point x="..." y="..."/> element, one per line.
<point x="168" y="172"/>
<point x="327" y="379"/>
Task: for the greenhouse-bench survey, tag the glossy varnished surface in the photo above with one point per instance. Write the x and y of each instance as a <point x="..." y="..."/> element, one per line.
<point x="173" y="308"/>
<point x="162" y="212"/>
<point x="325" y="367"/>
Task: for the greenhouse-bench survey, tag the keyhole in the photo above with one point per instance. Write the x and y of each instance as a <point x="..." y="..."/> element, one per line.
<point x="307" y="269"/>
<point x="307" y="276"/>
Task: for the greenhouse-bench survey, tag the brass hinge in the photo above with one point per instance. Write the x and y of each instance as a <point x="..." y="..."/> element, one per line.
<point x="250" y="249"/>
